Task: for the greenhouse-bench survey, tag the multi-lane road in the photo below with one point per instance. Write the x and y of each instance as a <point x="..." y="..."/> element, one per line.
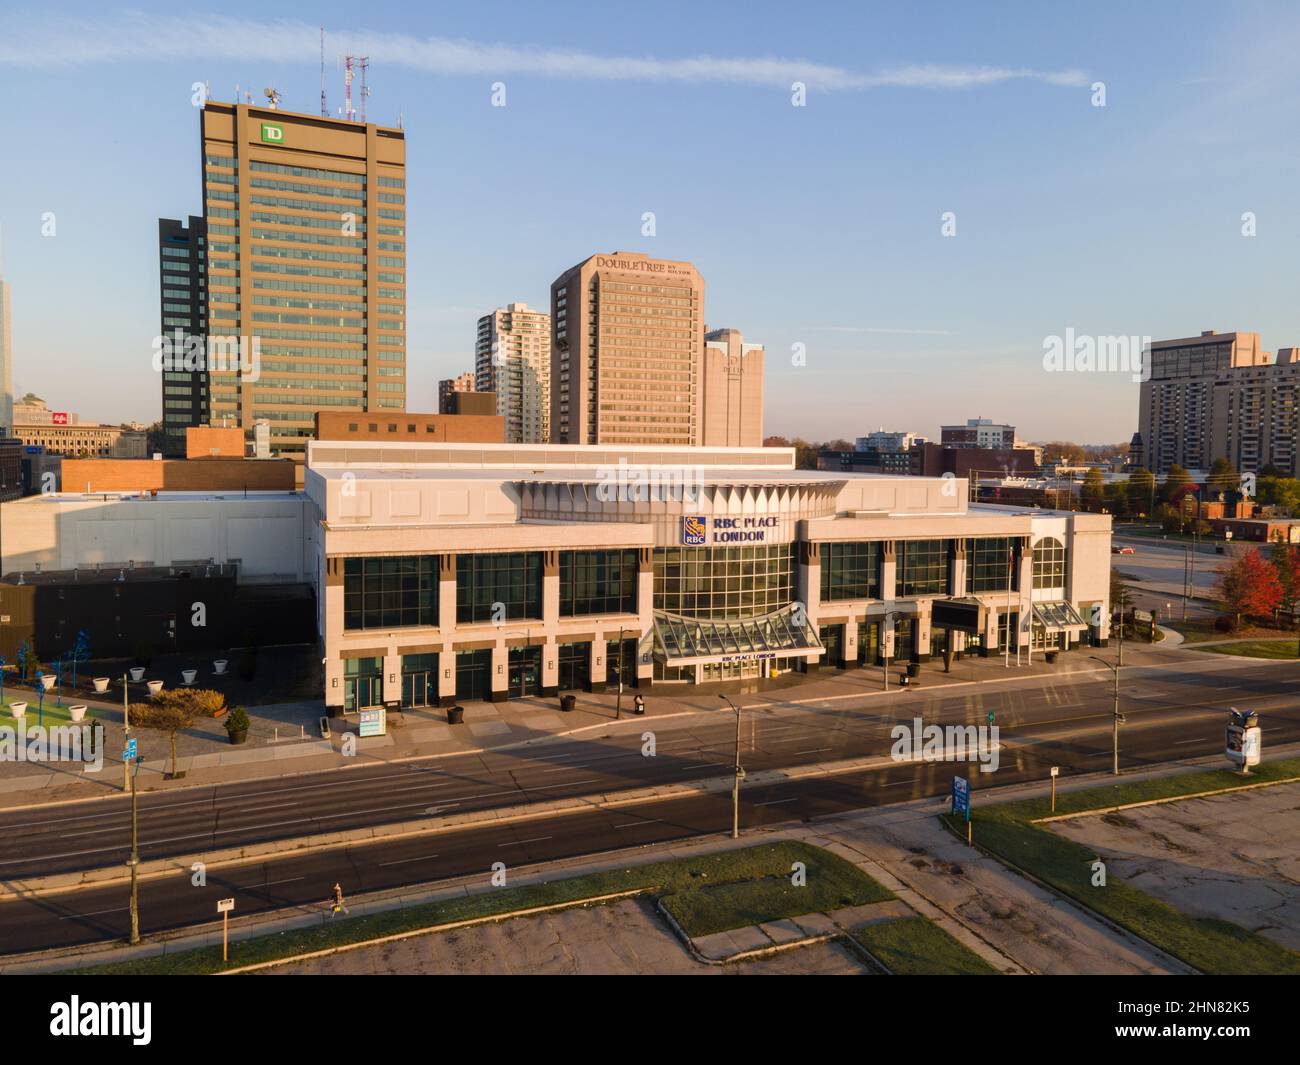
<point x="1174" y="710"/>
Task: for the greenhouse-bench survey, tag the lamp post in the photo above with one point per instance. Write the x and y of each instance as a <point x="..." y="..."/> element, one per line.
<point x="1117" y="718"/>
<point x="735" y="785"/>
<point x="884" y="642"/>
<point x="134" y="861"/>
<point x="618" y="699"/>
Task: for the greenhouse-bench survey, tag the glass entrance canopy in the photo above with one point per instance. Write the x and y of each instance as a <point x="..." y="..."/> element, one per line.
<point x="683" y="641"/>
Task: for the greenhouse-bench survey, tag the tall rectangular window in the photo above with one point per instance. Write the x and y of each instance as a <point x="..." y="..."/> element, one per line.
<point x="391" y="592"/>
<point x="598" y="582"/>
<point x="498" y="587"/>
<point x="850" y="571"/>
<point x="986" y="564"/>
<point x="923" y="567"/>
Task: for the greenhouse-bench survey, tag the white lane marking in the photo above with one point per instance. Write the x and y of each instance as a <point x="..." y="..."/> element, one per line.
<point x="777" y="802"/>
<point x="521" y="842"/>
<point x="74" y="916"/>
<point x="647" y="821"/>
<point x="405" y="861"/>
<point x="273" y="883"/>
<point x="814" y="750"/>
<point x="562" y="784"/>
<point x="566" y="768"/>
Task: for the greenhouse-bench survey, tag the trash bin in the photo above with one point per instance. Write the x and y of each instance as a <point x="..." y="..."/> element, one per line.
<point x="914" y="669"/>
<point x="455" y="715"/>
<point x="568" y="702"/>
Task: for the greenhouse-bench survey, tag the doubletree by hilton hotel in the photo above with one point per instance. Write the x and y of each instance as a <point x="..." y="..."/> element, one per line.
<point x="492" y="571"/>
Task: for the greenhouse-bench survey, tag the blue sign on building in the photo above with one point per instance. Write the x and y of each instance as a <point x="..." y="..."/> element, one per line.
<point x="694" y="531"/>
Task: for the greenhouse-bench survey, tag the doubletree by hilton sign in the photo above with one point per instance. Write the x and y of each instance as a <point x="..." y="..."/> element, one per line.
<point x="645" y="266"/>
<point x="697" y="530"/>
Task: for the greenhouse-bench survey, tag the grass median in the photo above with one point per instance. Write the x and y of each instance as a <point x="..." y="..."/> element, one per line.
<point x="913" y="946"/>
<point x="1209" y="945"/>
<point x="1279" y="649"/>
<point x="679" y="877"/>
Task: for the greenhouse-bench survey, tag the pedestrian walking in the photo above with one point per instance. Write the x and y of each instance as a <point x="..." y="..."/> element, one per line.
<point x="338" y="899"/>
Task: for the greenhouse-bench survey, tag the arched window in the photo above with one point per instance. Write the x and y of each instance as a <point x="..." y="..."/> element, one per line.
<point x="1049" y="563"/>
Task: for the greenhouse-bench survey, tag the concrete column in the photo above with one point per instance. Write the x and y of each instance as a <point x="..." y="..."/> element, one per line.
<point x="808" y="589"/>
<point x="446" y="676"/>
<point x="1026" y="594"/>
<point x="990" y="641"/>
<point x="959" y="569"/>
<point x="550" y="668"/>
<point x="851" y="644"/>
<point x="598" y="665"/>
<point x="888" y="574"/>
<point x="922" y="629"/>
<point x="332" y="634"/>
<point x="500" y="674"/>
<point x="446" y="594"/>
<point x="887" y="637"/>
<point x="392" y="679"/>
<point x="550" y="589"/>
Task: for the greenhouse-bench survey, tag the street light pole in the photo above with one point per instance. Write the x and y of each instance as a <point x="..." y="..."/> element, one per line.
<point x="739" y="772"/>
<point x="1116" y="717"/>
<point x="618" y="699"/>
<point x="134" y="862"/>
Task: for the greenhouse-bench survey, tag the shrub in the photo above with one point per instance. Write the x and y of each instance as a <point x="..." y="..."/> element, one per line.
<point x="237" y="720"/>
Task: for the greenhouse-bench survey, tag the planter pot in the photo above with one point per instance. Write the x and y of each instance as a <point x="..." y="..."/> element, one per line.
<point x="77" y="712"/>
<point x="237" y="737"/>
<point x="101" y="684"/>
<point x="188" y="675"/>
<point x="455" y="715"/>
<point x="18" y="709"/>
<point x="47" y="681"/>
<point x="568" y="702"/>
<point x="137" y="673"/>
<point x="219" y="666"/>
<point x="155" y="686"/>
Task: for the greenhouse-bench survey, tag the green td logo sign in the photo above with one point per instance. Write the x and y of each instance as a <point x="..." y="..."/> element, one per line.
<point x="272" y="134"/>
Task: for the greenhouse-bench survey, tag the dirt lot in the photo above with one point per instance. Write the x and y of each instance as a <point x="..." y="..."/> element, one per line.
<point x="1236" y="857"/>
<point x="621" y="938"/>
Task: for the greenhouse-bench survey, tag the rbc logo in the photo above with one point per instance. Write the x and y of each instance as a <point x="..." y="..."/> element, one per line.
<point x="693" y="531"/>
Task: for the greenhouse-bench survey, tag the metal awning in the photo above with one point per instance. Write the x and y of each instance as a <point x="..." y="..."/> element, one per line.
<point x="1058" y="617"/>
<point x="683" y="641"/>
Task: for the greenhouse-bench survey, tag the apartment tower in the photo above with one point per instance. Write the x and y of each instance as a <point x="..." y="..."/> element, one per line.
<point x="306" y="231"/>
<point x="627" y="348"/>
<point x="183" y="295"/>
<point x="449" y="386"/>
<point x="512" y="357"/>
<point x="1219" y="395"/>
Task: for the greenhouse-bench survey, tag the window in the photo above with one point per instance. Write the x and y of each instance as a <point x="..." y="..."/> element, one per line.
<point x="393" y="592"/>
<point x="514" y="581"/>
<point x="1049" y="563"/>
<point x="923" y="567"/>
<point x="598" y="582"/>
<point x="723" y="582"/>
<point x="986" y="562"/>
<point x="850" y="571"/>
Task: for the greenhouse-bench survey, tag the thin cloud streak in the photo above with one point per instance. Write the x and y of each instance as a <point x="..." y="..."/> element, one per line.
<point x="35" y="42"/>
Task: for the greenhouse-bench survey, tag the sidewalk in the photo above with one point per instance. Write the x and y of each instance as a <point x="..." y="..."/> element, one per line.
<point x="285" y="738"/>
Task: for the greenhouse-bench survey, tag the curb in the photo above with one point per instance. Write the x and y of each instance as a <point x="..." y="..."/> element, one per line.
<point x="1167" y="799"/>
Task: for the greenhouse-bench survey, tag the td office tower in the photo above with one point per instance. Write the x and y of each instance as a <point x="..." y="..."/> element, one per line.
<point x="306" y="231"/>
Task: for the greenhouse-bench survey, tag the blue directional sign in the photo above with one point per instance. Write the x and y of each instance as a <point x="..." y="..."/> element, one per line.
<point x="961" y="796"/>
<point x="129" y="754"/>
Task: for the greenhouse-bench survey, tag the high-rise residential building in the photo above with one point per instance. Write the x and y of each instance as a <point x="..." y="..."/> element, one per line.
<point x="306" y="230"/>
<point x="1219" y="395"/>
<point x="512" y="357"/>
<point x="731" y="409"/>
<point x="450" y="385"/>
<point x="183" y="298"/>
<point x="627" y="351"/>
<point x="886" y="440"/>
<point x="6" y="358"/>
<point x="978" y="432"/>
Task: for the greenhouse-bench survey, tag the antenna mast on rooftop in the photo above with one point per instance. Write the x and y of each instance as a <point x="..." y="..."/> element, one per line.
<point x="324" y="110"/>
<point x="364" y="63"/>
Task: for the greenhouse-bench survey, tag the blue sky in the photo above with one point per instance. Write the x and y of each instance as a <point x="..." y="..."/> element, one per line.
<point x="817" y="225"/>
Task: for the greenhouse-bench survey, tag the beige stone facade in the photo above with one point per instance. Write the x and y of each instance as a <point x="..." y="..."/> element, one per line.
<point x="452" y="571"/>
<point x="731" y="391"/>
<point x="627" y="348"/>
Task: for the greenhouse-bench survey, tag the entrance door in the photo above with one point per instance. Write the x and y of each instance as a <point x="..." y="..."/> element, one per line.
<point x="525" y="672"/>
<point x="574" y="666"/>
<point x="415" y="689"/>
